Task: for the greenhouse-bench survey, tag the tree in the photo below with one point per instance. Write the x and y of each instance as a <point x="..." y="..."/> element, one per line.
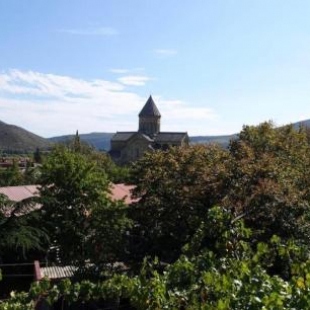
<point x="12" y="175"/>
<point x="217" y="279"/>
<point x="175" y="189"/>
<point x="262" y="177"/>
<point x="74" y="195"/>
<point x="37" y="157"/>
<point x="268" y="180"/>
<point x="115" y="173"/>
<point x="31" y="174"/>
<point x="20" y="229"/>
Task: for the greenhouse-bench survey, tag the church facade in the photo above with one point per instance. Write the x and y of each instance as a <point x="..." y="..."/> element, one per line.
<point x="129" y="146"/>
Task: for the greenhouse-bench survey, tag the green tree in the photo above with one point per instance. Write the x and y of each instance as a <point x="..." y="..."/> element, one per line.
<point x="20" y="229"/>
<point x="12" y="175"/>
<point x="176" y="188"/>
<point x="74" y="196"/>
<point x="209" y="279"/>
<point x="115" y="173"/>
<point x="268" y="180"/>
<point x="37" y="157"/>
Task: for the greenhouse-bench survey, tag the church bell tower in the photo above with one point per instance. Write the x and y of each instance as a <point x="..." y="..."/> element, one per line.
<point x="149" y="119"/>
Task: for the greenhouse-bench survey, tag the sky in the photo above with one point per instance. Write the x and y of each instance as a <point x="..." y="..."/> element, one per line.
<point x="210" y="66"/>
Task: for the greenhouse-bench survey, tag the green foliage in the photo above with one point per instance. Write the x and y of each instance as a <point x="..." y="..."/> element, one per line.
<point x="20" y="230"/>
<point x="115" y="173"/>
<point x="71" y="187"/>
<point x="176" y="188"/>
<point x="11" y="176"/>
<point x="31" y="175"/>
<point x="76" y="208"/>
<point x="268" y="180"/>
<point x="107" y="242"/>
<point x="262" y="178"/>
<point x="222" y="229"/>
<point x="37" y="157"/>
<point x="207" y="280"/>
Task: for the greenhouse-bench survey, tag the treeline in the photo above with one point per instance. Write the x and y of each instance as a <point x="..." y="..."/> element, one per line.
<point x="211" y="228"/>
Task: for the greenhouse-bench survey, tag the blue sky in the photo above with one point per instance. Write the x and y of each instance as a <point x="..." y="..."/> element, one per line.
<point x="211" y="66"/>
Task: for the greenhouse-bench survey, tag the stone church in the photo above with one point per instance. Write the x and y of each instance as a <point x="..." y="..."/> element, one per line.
<point x="131" y="145"/>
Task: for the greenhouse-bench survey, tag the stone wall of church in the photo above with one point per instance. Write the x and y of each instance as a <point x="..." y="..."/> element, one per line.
<point x="135" y="149"/>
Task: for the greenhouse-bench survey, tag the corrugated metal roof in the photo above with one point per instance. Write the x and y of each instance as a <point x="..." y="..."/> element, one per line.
<point x="150" y="109"/>
<point x="58" y="272"/>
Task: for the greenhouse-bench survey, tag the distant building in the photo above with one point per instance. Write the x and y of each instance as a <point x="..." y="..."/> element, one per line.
<point x="129" y="146"/>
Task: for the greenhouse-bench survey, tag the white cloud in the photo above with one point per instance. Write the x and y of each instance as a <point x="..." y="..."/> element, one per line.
<point x="134" y="80"/>
<point x="181" y="116"/>
<point x="165" y="52"/>
<point x="126" y="71"/>
<point x="95" y="31"/>
<point x="51" y="105"/>
<point x="119" y="71"/>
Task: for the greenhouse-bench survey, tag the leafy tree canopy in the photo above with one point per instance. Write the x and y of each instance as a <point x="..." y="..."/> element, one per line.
<point x="176" y="187"/>
<point x="262" y="177"/>
<point x="74" y="196"/>
<point x="20" y="229"/>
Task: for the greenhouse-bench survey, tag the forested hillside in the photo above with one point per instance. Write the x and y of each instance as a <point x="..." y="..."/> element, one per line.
<point x="14" y="138"/>
<point x="98" y="140"/>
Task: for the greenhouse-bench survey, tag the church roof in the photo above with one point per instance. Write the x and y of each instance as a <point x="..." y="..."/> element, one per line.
<point x="126" y="135"/>
<point x="149" y="109"/>
<point x="166" y="137"/>
<point x="123" y="135"/>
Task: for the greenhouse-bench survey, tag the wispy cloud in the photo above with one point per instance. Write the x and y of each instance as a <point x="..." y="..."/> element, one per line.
<point x="93" y="31"/>
<point x="127" y="71"/>
<point x="177" y="109"/>
<point x="50" y="104"/>
<point x="54" y="104"/>
<point x="134" y="80"/>
<point x="165" y="52"/>
<point x="119" y="71"/>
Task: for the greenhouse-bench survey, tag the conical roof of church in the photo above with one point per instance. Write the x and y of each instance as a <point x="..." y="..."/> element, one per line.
<point x="149" y="109"/>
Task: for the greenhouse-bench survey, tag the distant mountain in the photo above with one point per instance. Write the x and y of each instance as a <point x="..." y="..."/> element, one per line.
<point x="17" y="139"/>
<point x="221" y="140"/>
<point x="305" y="123"/>
<point x="99" y="140"/>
